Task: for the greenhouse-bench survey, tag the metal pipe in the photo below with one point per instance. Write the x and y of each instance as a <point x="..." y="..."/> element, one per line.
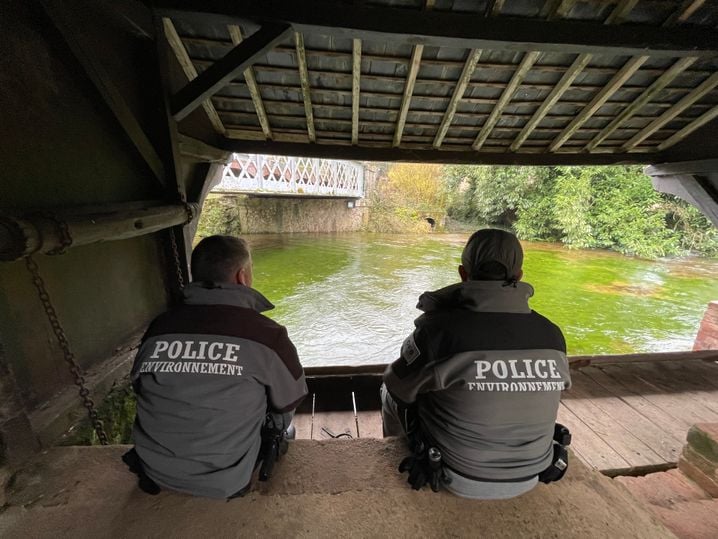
<point x="53" y="231"/>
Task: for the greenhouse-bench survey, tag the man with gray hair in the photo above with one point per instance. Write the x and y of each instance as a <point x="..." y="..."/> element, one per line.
<point x="216" y="381"/>
<point x="477" y="386"/>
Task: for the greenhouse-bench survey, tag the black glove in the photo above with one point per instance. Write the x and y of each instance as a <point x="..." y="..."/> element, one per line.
<point x="424" y="466"/>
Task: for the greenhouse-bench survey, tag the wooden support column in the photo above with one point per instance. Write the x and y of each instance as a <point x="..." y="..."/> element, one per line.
<point x="235" y="34"/>
<point x="227" y="68"/>
<point x="660" y="83"/>
<point x="356" y="88"/>
<point x="190" y="71"/>
<point x="469" y="67"/>
<point x="687" y="130"/>
<point x="706" y="87"/>
<point x="524" y="67"/>
<point x="625" y="73"/>
<point x="65" y="21"/>
<point x="304" y="81"/>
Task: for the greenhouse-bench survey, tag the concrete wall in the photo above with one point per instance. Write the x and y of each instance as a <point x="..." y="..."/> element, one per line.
<point x="240" y="214"/>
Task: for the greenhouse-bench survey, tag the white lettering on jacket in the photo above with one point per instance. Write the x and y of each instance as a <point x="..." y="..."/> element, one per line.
<point x="193" y="352"/>
<point x="518" y="369"/>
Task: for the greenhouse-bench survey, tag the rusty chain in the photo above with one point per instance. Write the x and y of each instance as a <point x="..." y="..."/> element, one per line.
<point x="75" y="368"/>
<point x="177" y="259"/>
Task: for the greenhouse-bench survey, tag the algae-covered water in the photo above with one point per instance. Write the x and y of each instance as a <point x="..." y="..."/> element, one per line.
<point x="350" y="298"/>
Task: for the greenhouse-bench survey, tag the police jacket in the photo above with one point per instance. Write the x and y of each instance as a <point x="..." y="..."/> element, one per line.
<point x="206" y="374"/>
<point x="486" y="373"/>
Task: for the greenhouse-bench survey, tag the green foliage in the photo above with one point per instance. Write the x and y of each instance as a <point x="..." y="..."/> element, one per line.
<point x="117" y="412"/>
<point x="584" y="207"/>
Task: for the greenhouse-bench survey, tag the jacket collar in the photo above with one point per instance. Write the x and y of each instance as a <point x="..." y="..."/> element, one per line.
<point x="479" y="296"/>
<point x="237" y="295"/>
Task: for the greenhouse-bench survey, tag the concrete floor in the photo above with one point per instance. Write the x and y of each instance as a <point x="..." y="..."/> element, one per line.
<point x="321" y="489"/>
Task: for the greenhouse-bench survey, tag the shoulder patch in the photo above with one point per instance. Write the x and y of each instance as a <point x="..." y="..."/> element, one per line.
<point x="409" y="350"/>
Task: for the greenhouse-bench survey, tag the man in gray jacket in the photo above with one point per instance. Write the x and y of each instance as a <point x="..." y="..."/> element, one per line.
<point x="207" y="376"/>
<point x="479" y="379"/>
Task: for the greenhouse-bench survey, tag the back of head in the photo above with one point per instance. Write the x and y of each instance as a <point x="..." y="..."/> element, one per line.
<point x="217" y="259"/>
<point x="492" y="255"/>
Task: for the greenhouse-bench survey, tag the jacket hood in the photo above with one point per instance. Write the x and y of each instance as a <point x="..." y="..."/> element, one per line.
<point x="237" y="295"/>
<point x="480" y="296"/>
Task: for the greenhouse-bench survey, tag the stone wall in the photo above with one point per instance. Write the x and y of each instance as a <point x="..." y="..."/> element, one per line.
<point x="707" y="338"/>
<point x="241" y="214"/>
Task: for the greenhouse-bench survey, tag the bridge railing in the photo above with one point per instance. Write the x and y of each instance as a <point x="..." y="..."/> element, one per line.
<point x="249" y="173"/>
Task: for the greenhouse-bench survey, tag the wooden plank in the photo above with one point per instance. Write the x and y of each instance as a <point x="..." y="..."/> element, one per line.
<point x="687" y="130"/>
<point x="356" y="88"/>
<point x="594" y="451"/>
<point x="453" y="29"/>
<point x="622" y="9"/>
<point x="66" y="21"/>
<point x="561" y="9"/>
<point x="606" y="427"/>
<point x="676" y="69"/>
<point x="651" y="434"/>
<point x="190" y="71"/>
<point x="674" y="427"/>
<point x="625" y="73"/>
<point x="680" y="407"/>
<point x="408" y="91"/>
<point x="528" y="60"/>
<point x="688" y="8"/>
<point x="459" y="89"/>
<point x="236" y="34"/>
<point x="705" y="87"/>
<point x="304" y="81"/>
<point x="578" y="65"/>
<point x="577" y="362"/>
<point x="494" y="7"/>
<point x="227" y="68"/>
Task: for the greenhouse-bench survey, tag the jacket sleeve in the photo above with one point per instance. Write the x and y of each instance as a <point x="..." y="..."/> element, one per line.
<point x="413" y="373"/>
<point x="284" y="375"/>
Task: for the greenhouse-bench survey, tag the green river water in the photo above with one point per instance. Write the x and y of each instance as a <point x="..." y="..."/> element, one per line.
<point x="350" y="298"/>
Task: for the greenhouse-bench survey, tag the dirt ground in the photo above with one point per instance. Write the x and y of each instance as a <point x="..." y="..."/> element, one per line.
<point x="347" y="488"/>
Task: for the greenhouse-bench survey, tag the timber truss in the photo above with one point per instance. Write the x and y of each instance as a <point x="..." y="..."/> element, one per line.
<point x="492" y="81"/>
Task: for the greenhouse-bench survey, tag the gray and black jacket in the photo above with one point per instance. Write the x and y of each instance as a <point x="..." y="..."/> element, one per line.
<point x="205" y="376"/>
<point x="486" y="373"/>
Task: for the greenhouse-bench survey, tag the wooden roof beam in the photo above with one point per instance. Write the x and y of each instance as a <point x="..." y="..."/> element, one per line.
<point x="227" y="68"/>
<point x="705" y="87"/>
<point x="408" y="91"/>
<point x="660" y="83"/>
<point x="451" y="29"/>
<point x="356" y="88"/>
<point x="562" y="85"/>
<point x="304" y="81"/>
<point x="625" y="73"/>
<point x="687" y="130"/>
<point x="494" y="7"/>
<point x="524" y="67"/>
<point x="236" y="34"/>
<point x="619" y="13"/>
<point x="561" y="9"/>
<point x="459" y="89"/>
<point x="688" y="8"/>
<point x="190" y="71"/>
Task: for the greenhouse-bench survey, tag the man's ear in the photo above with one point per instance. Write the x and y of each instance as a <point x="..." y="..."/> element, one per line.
<point x="243" y="277"/>
<point x="463" y="273"/>
<point x="519" y="275"/>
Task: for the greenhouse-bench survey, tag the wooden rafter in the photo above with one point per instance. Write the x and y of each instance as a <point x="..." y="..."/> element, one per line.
<point x="688" y="8"/>
<point x="706" y="86"/>
<point x="524" y="67"/>
<point x="625" y="73"/>
<point x="189" y="70"/>
<point x="304" y="81"/>
<point x="356" y="88"/>
<point x="408" y="91"/>
<point x="621" y="11"/>
<point x="459" y="89"/>
<point x="236" y="34"/>
<point x="579" y="63"/>
<point x="452" y="29"/>
<point x="227" y="68"/>
<point x="65" y="22"/>
<point x="687" y="130"/>
<point x="494" y="7"/>
<point x="561" y="9"/>
<point x="660" y="83"/>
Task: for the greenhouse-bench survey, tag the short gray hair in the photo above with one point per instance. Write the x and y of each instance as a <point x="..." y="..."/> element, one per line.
<point x="217" y="259"/>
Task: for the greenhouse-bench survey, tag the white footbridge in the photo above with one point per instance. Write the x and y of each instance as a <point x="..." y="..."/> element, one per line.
<point x="292" y="176"/>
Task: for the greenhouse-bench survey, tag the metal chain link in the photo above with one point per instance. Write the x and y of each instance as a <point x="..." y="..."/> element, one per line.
<point x="177" y="259"/>
<point x="75" y="368"/>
